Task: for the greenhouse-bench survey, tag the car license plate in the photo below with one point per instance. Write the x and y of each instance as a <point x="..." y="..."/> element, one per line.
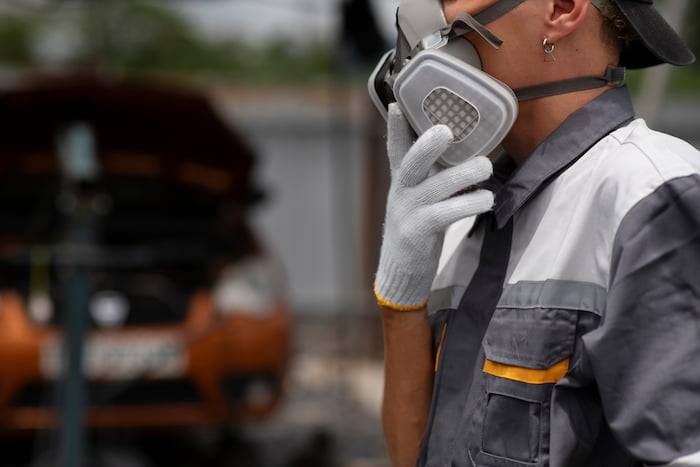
<point x="121" y="357"/>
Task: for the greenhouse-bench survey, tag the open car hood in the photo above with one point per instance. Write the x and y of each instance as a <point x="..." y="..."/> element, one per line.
<point x="142" y="128"/>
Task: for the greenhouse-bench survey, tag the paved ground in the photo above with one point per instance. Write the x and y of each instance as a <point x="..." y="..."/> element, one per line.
<point x="334" y="397"/>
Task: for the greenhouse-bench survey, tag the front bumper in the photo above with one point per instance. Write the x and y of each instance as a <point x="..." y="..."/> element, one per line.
<point x="234" y="371"/>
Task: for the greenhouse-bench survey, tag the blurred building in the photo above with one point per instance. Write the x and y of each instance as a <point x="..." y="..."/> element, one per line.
<point x="312" y="149"/>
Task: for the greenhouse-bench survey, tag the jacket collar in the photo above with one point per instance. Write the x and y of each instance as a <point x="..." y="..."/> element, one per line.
<point x="573" y="138"/>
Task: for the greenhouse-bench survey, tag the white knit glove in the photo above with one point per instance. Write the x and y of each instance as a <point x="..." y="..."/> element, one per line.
<point x="419" y="210"/>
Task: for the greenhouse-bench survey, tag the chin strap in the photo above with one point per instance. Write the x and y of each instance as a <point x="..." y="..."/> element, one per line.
<point x="614" y="76"/>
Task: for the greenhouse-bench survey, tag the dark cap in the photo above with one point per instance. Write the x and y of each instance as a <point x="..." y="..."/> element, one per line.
<point x="658" y="42"/>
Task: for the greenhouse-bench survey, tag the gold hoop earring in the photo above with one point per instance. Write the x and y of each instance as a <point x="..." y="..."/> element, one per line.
<point x="548" y="48"/>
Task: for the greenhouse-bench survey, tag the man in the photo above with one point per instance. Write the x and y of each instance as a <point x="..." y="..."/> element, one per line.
<point x="564" y="327"/>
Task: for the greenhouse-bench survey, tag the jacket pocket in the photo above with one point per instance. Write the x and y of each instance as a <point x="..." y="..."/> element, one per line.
<point x="526" y="351"/>
<point x="533" y="338"/>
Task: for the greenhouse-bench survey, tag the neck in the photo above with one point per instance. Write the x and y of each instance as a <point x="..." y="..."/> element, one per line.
<point x="538" y="118"/>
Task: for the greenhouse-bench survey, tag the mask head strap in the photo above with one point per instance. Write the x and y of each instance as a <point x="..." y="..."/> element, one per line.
<point x="614" y="76"/>
<point x="403" y="48"/>
<point x="497" y="10"/>
<point x="464" y="22"/>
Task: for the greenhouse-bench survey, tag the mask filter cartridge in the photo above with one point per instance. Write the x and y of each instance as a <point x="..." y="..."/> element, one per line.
<point x="435" y="88"/>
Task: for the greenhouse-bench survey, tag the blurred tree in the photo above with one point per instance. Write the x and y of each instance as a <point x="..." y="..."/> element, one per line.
<point x="146" y="36"/>
<point x="132" y="35"/>
<point x="16" y="34"/>
<point x="686" y="80"/>
<point x="692" y="29"/>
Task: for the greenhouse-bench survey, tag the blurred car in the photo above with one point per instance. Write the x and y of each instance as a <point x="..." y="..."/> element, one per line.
<point x="187" y="321"/>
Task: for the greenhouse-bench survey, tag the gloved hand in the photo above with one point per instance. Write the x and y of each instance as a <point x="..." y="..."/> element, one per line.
<point x="419" y="210"/>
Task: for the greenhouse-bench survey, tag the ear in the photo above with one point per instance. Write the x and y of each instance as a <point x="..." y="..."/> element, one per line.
<point x="564" y="17"/>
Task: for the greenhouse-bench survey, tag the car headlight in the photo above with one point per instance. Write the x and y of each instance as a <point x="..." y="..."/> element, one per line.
<point x="252" y="286"/>
<point x="109" y="309"/>
<point x="40" y="308"/>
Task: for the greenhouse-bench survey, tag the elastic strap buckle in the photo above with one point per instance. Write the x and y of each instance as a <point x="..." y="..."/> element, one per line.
<point x="615" y="76"/>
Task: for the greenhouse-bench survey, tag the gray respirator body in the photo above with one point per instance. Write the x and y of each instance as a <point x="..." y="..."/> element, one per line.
<point x="435" y="76"/>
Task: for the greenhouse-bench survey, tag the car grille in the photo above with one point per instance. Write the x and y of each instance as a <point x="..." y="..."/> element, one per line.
<point x="143" y="310"/>
<point x="155" y="295"/>
<point x="152" y="298"/>
<point x="103" y="394"/>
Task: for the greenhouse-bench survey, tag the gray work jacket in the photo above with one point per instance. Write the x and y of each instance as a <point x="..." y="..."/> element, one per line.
<point x="567" y="321"/>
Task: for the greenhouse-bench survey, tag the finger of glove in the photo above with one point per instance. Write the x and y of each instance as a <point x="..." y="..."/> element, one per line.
<point x="399" y="136"/>
<point x="423" y="154"/>
<point x="454" y="179"/>
<point x="445" y="213"/>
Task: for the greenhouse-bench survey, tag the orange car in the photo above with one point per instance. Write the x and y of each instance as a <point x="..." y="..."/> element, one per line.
<point x="187" y="322"/>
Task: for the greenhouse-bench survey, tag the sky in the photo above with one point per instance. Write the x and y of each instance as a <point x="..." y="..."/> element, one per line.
<point x="258" y="20"/>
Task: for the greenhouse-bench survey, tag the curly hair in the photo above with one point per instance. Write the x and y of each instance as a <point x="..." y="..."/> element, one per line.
<point x="617" y="31"/>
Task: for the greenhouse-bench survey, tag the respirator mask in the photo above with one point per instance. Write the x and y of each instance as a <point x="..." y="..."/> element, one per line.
<point x="436" y="77"/>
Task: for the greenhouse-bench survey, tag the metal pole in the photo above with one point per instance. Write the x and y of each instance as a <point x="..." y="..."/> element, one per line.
<point x="73" y="406"/>
<point x="78" y="159"/>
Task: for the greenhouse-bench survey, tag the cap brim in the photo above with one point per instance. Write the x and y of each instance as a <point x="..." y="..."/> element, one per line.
<point x="658" y="43"/>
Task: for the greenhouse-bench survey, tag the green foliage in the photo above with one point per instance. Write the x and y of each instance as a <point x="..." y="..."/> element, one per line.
<point x="692" y="26"/>
<point x="274" y="62"/>
<point x="140" y="36"/>
<point x="135" y="36"/>
<point x="685" y="80"/>
<point x="15" y="39"/>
